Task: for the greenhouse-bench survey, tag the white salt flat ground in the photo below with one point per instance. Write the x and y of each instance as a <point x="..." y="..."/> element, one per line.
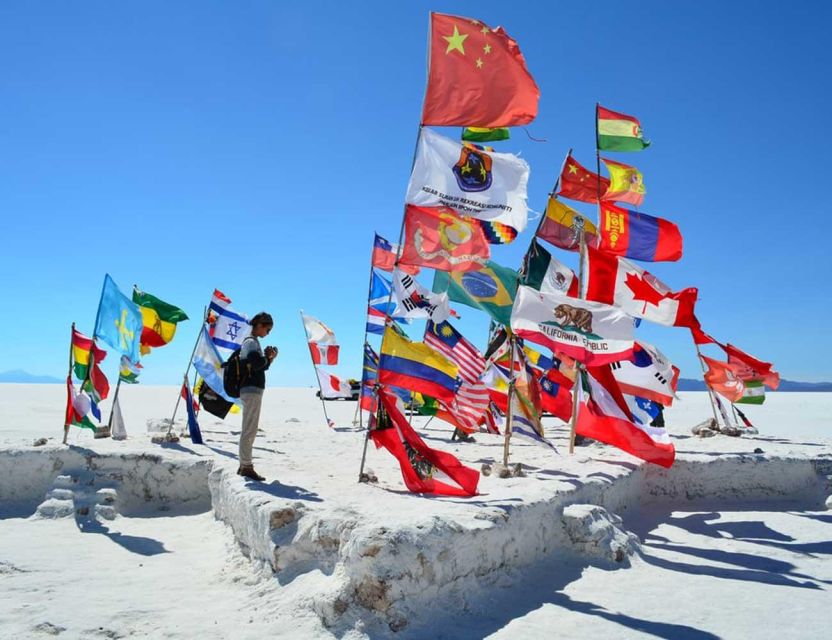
<point x="708" y="570"/>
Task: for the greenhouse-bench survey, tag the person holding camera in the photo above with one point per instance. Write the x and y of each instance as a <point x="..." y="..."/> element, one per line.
<point x="255" y="361"/>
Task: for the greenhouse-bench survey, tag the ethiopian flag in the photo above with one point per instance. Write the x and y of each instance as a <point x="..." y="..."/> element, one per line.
<point x="619" y="132"/>
<point x="491" y="289"/>
<point x="159" y="320"/>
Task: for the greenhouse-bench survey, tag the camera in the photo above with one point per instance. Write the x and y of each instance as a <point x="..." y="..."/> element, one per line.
<point x="271" y="348"/>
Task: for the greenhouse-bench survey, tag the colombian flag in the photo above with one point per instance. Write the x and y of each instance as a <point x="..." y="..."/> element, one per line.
<point x="415" y="366"/>
<point x="638" y="236"/>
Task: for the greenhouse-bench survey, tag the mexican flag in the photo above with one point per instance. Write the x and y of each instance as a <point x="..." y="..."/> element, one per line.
<point x="619" y="132"/>
<point x="544" y="272"/>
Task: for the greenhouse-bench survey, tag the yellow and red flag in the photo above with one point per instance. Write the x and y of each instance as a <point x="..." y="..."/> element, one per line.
<point x="440" y="238"/>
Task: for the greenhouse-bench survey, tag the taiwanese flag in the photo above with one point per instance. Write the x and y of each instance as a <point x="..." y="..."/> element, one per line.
<point x="555" y="397"/>
<point x="638" y="236"/>
<point x="578" y="183"/>
<point x="384" y="256"/>
<point x="476" y="76"/>
<point x="440" y="238"/>
<point x="424" y="470"/>
<point x="603" y="415"/>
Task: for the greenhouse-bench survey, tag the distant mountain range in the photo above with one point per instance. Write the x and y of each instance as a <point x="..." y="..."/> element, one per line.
<point x="689" y="384"/>
<point x="18" y="375"/>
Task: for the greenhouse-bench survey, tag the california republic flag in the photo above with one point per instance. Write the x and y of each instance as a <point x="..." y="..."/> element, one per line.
<point x="614" y="280"/>
<point x="322" y="343"/>
<point x="482" y="184"/>
<point x="589" y="332"/>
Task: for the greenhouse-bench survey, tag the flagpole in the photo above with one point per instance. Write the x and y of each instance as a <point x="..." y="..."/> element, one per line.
<point x="509" y="396"/>
<point x="188" y="368"/>
<point x="113" y="406"/>
<point x="707" y="386"/>
<point x="578" y="365"/>
<point x="329" y="422"/>
<point x="69" y="376"/>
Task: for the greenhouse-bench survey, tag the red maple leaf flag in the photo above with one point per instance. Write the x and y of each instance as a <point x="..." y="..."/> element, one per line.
<point x="476" y="76"/>
<point x="617" y="281"/>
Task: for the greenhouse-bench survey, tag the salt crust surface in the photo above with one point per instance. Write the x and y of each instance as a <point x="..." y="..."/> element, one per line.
<point x="353" y="559"/>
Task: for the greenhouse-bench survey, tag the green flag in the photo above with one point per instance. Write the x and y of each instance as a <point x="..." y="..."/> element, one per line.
<point x="491" y="289"/>
<point x="483" y="134"/>
<point x="755" y="393"/>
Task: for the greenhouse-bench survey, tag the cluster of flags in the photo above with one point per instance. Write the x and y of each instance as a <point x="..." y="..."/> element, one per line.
<point x="462" y="199"/>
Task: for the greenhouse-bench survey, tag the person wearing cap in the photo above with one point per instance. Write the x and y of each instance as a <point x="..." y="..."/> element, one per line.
<point x="256" y="361"/>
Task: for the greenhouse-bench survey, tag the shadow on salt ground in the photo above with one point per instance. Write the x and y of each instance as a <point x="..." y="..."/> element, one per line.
<point x="175" y="446"/>
<point x="134" y="544"/>
<point x="287" y="491"/>
<point x="752" y="530"/>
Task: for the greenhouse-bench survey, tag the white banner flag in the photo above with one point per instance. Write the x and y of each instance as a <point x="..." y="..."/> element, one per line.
<point x="332" y="386"/>
<point x="483" y="184"/>
<point x="414" y="301"/>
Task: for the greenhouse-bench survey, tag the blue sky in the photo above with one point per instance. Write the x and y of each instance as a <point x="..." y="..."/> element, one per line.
<point x="256" y="147"/>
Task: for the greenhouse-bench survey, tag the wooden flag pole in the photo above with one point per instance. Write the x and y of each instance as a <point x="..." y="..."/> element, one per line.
<point x="710" y="391"/>
<point x="187" y="369"/>
<point x="329" y="422"/>
<point x="69" y="382"/>
<point x="510" y="397"/>
<point x="578" y="365"/>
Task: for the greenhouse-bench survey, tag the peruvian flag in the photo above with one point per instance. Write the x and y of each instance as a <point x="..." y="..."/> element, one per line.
<point x="617" y="281"/>
<point x="603" y="415"/>
<point x="322" y="343"/>
<point x="332" y="386"/>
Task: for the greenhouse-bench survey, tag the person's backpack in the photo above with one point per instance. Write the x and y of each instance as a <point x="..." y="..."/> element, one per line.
<point x="235" y="373"/>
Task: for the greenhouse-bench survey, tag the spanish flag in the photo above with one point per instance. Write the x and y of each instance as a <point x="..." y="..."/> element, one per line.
<point x="158" y="320"/>
<point x="417" y="367"/>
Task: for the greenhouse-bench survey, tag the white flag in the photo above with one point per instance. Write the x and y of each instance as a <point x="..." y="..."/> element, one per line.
<point x="414" y="301"/>
<point x="229" y="327"/>
<point x="117" y="426"/>
<point x="332" y="386"/>
<point x="317" y="331"/>
<point x="482" y="184"/>
<point x="648" y="375"/>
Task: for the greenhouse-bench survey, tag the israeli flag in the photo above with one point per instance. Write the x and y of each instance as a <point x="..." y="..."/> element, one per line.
<point x="119" y="321"/>
<point x="230" y="327"/>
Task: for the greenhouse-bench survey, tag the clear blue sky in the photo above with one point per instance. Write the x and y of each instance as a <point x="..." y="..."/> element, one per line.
<point x="256" y="146"/>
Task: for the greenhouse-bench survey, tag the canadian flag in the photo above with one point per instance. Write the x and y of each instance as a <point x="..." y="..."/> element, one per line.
<point x="332" y="386"/>
<point x="322" y="343"/>
<point x="637" y="292"/>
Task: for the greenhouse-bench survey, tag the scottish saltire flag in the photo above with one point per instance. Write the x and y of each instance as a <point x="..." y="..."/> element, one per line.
<point x="208" y="363"/>
<point x="229" y="328"/>
<point x="119" y="321"/>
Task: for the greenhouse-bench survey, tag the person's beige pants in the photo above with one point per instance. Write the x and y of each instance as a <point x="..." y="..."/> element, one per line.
<point x="251" y="418"/>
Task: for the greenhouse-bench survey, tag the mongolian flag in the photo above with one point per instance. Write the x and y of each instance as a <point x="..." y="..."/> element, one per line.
<point x="618" y="281"/>
<point x="545" y="273"/>
<point x="603" y="415"/>
<point x="417" y="367"/>
<point x="424" y="470"/>
<point x="490" y="289"/>
<point x="578" y="183"/>
<point x="81" y="348"/>
<point x="159" y="320"/>
<point x="626" y="183"/>
<point x="638" y="236"/>
<point x="476" y="76"/>
<point x="562" y="227"/>
<point x="384" y="256"/>
<point x="590" y="332"/>
<point x="440" y="238"/>
<point x="619" y="132"/>
<point x="118" y="321"/>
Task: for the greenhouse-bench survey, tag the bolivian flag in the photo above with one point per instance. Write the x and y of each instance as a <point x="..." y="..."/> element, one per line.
<point x="619" y="132"/>
<point x="158" y="319"/>
<point x="417" y="367"/>
<point x="81" y="346"/>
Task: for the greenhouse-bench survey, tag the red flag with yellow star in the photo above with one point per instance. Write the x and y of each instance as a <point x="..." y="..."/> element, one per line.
<point x="578" y="183"/>
<point x="476" y="76"/>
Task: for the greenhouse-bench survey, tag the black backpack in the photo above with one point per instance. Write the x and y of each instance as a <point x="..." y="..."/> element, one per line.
<point x="235" y="373"/>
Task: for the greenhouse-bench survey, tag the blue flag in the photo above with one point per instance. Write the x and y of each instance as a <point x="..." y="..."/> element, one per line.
<point x="193" y="425"/>
<point x="119" y="320"/>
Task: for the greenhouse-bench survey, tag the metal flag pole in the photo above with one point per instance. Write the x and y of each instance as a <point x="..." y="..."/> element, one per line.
<point x="69" y="382"/>
<point x="113" y="405"/>
<point x="329" y="422"/>
<point x="187" y="369"/>
<point x="707" y="386"/>
<point x="578" y="366"/>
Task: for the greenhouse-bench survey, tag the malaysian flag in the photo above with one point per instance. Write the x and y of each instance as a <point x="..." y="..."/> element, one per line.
<point x="472" y="398"/>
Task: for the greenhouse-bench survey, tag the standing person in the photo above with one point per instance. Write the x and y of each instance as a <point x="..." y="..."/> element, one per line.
<point x="255" y="362"/>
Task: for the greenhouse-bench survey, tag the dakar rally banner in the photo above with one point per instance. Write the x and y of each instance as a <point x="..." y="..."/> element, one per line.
<point x="590" y="332"/>
<point x="483" y="184"/>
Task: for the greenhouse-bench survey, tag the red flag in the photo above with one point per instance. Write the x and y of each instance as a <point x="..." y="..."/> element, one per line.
<point x="555" y="397"/>
<point x="637" y="235"/>
<point x="604" y="416"/>
<point x="324" y="353"/>
<point x="476" y="76"/>
<point x="419" y="463"/>
<point x="578" y="183"/>
<point x="700" y="337"/>
<point x="384" y="256"/>
<point x="749" y="368"/>
<point x="186" y="395"/>
<point x="440" y="238"/>
<point x="724" y="378"/>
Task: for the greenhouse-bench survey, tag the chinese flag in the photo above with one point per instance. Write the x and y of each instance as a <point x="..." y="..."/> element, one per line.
<point x="578" y="183"/>
<point x="440" y="238"/>
<point x="476" y="76"/>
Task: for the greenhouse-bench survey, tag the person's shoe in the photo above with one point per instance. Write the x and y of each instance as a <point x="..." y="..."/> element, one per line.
<point x="249" y="472"/>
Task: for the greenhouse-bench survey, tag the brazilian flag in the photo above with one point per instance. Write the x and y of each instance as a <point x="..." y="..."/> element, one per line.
<point x="491" y="289"/>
